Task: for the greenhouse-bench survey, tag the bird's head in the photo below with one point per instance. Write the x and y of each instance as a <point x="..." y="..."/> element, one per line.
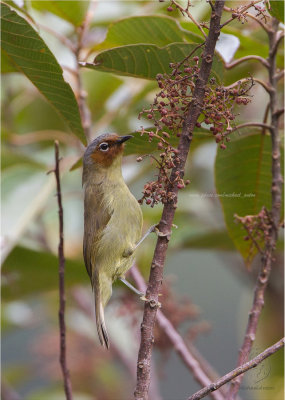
<point x="104" y="150"/>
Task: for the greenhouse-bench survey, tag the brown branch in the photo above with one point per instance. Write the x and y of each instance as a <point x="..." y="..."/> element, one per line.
<point x="247" y="58"/>
<point x="238" y="371"/>
<point x="247" y="124"/>
<point x="62" y="329"/>
<point x="276" y="189"/>
<point x="279" y="75"/>
<point x="165" y="224"/>
<point x="202" y="375"/>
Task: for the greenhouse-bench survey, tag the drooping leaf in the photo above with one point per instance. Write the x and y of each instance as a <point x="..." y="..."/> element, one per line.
<point x="28" y="272"/>
<point x="159" y="30"/>
<point x="71" y="11"/>
<point x="243" y="183"/>
<point x="146" y="61"/>
<point x="25" y="48"/>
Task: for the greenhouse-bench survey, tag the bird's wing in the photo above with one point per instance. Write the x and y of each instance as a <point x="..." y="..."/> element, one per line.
<point x="96" y="218"/>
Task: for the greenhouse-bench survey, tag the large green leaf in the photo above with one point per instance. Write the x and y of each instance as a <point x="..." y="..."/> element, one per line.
<point x="147" y="60"/>
<point x="30" y="54"/>
<point x="159" y="30"/>
<point x="71" y="11"/>
<point x="243" y="183"/>
<point x="27" y="272"/>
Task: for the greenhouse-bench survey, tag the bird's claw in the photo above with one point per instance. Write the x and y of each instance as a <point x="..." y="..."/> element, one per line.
<point x="161" y="234"/>
<point x="153" y="303"/>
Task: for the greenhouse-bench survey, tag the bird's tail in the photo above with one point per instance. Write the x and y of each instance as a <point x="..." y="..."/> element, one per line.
<point x="100" y="320"/>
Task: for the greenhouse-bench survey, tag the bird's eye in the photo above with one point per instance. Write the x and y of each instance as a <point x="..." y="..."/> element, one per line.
<point x="104" y="146"/>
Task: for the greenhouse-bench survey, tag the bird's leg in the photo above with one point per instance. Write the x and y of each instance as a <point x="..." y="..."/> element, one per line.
<point x="128" y="252"/>
<point x="150" y="230"/>
<point x="130" y="286"/>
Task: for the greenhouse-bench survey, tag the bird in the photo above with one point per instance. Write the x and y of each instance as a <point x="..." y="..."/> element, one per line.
<point x="112" y="221"/>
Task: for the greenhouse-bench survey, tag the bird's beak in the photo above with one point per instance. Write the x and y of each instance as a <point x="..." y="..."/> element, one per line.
<point x="123" y="139"/>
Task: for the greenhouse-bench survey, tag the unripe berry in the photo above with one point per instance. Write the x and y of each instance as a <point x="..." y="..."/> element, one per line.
<point x="149" y="116"/>
<point x="169" y="8"/>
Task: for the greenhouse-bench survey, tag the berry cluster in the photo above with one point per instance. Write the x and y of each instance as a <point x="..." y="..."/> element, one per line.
<point x="218" y="109"/>
<point x="258" y="227"/>
<point x="168" y="113"/>
<point x="160" y="190"/>
<point x="171" y="103"/>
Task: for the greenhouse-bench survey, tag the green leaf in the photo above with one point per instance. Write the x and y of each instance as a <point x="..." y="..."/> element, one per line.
<point x="277" y="9"/>
<point x="27" y="272"/>
<point x="6" y="64"/>
<point x="71" y="11"/>
<point x="140" y="144"/>
<point x="147" y="60"/>
<point x="158" y="30"/>
<point x="30" y="54"/>
<point x="243" y="183"/>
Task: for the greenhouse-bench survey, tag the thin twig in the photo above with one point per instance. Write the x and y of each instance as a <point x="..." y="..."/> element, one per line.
<point x="62" y="329"/>
<point x="189" y="15"/>
<point x="247" y="58"/>
<point x="244" y="80"/>
<point x="61" y="38"/>
<point x="238" y="371"/>
<point x="176" y="339"/>
<point x="156" y="272"/>
<point x="248" y="124"/>
<point x="240" y="11"/>
<point x="258" y="20"/>
<point x="276" y="189"/>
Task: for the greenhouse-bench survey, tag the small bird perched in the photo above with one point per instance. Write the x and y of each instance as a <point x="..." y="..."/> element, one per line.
<point x="112" y="221"/>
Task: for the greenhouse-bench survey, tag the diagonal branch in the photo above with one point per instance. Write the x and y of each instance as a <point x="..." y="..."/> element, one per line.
<point x="156" y="272"/>
<point x="62" y="329"/>
<point x="238" y="371"/>
<point x="203" y="375"/>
